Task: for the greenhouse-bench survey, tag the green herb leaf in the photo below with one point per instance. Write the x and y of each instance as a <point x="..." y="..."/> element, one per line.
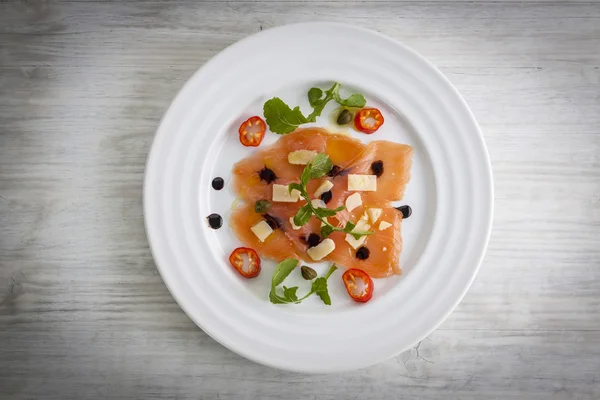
<point x="324" y="295"/>
<point x="349" y="226"/>
<point x="357" y="235"/>
<point x="290" y="293"/>
<point x="332" y="269"/>
<point x="296" y="186"/>
<point x="305" y="176"/>
<point x="355" y="100"/>
<point x="282" y="270"/>
<point x="319" y="166"/>
<point x="326" y="230"/>
<point x="274" y="298"/>
<point x="303" y="215"/>
<point x="281" y="118"/>
<point x="319" y="286"/>
<point x="325" y="212"/>
<point x="314" y="95"/>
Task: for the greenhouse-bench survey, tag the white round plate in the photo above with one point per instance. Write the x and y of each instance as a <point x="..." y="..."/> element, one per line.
<point x="450" y="193"/>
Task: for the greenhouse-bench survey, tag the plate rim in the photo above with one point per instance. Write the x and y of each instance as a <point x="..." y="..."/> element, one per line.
<point x="270" y="362"/>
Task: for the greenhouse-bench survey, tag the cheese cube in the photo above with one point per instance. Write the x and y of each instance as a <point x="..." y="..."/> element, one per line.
<point x="353" y="201"/>
<point x="294" y="226"/>
<point x="384" y="225"/>
<point x="282" y="194"/>
<point x="374" y="214"/>
<point x="321" y="251"/>
<point x="367" y="183"/>
<point x="361" y="226"/>
<point x="355" y="243"/>
<point x="323" y="187"/>
<point x="318" y="203"/>
<point x="301" y="157"/>
<point x="262" y="230"/>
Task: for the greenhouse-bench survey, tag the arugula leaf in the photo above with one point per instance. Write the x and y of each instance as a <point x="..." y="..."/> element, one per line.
<point x="318" y="103"/>
<point x="274" y="298"/>
<point x="296" y="186"/>
<point x="349" y="226"/>
<point x="290" y="293"/>
<point x="319" y="166"/>
<point x="303" y="215"/>
<point x="314" y="95"/>
<point x="320" y="288"/>
<point x="281" y="118"/>
<point x="327" y="230"/>
<point x="319" y="285"/>
<point x="327" y="212"/>
<point x="305" y="176"/>
<point x="355" y="100"/>
<point x="357" y="235"/>
<point x="282" y="270"/>
<point x="332" y="269"/>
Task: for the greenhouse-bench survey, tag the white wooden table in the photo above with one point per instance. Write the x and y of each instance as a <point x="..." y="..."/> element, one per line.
<point x="83" y="311"/>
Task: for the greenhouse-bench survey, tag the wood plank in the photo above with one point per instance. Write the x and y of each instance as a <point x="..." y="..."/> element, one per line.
<point x="83" y="311"/>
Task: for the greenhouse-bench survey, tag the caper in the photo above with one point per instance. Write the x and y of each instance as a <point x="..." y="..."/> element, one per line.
<point x="345" y="117"/>
<point x="262" y="206"/>
<point x="308" y="273"/>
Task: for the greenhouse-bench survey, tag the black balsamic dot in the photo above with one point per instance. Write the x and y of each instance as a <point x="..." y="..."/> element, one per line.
<point x="313" y="240"/>
<point x="326" y="197"/>
<point x="405" y="210"/>
<point x="377" y="168"/>
<point x="273" y="222"/>
<point x="267" y="175"/>
<point x="215" y="221"/>
<point x="362" y="253"/>
<point x="335" y="170"/>
<point x="218" y="183"/>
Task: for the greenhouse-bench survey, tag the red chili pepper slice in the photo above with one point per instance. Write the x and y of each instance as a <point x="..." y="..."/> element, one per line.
<point x="368" y="120"/>
<point x="237" y="260"/>
<point x="358" y="284"/>
<point x="252" y="131"/>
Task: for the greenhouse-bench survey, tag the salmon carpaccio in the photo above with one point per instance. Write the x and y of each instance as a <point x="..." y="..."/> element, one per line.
<point x="352" y="157"/>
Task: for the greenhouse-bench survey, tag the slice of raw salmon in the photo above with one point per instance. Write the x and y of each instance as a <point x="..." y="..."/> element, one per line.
<point x="349" y="156"/>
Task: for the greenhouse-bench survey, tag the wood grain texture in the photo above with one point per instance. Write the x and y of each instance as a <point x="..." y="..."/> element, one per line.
<point x="83" y="311"/>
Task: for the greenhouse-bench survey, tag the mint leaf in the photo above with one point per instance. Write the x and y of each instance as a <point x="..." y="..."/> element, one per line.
<point x="314" y="95"/>
<point x="303" y="215"/>
<point x="320" y="166"/>
<point x="356" y="100"/>
<point x="326" y="230"/>
<point x="281" y="118"/>
<point x="282" y="270"/>
<point x="290" y="293"/>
